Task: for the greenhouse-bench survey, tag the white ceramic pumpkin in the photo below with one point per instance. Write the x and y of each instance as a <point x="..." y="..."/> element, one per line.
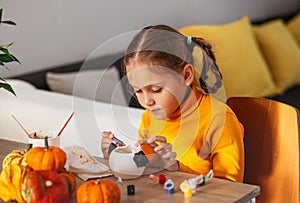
<point x="122" y="164"/>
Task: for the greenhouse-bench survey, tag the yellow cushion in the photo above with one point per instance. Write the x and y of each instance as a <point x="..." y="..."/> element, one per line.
<point x="245" y="72"/>
<point x="281" y="52"/>
<point x="294" y="27"/>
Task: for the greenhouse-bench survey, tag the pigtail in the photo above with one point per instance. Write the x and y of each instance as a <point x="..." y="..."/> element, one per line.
<point x="209" y="65"/>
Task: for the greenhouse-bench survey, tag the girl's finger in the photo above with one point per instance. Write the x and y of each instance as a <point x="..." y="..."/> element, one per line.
<point x="111" y="138"/>
<point x="145" y="141"/>
<point x="140" y="142"/>
<point x="156" y="139"/>
<point x="169" y="155"/>
<point x="105" y="148"/>
<point x="107" y="134"/>
<point x="162" y="147"/>
<point x="105" y="143"/>
<point x="168" y="148"/>
<point x="169" y="159"/>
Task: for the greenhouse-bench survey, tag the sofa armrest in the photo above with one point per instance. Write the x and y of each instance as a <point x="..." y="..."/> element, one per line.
<point x="45" y="110"/>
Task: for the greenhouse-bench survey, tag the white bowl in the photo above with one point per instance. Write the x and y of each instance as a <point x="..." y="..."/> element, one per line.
<point x="39" y="141"/>
<point x="121" y="162"/>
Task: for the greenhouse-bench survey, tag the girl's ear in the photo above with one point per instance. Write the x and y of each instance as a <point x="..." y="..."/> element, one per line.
<point x="188" y="74"/>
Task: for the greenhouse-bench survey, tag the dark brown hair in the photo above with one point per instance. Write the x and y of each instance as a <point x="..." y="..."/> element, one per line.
<point x="164" y="46"/>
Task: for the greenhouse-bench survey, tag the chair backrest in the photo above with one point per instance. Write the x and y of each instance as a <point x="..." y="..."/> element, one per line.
<point x="271" y="147"/>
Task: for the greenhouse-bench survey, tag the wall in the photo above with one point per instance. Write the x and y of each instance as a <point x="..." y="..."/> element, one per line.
<point x="56" y="32"/>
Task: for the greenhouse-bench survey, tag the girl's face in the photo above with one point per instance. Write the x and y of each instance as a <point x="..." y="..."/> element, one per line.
<point x="158" y="89"/>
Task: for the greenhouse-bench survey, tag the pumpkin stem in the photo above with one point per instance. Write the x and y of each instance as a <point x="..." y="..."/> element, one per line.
<point x="48" y="183"/>
<point x="46" y="144"/>
<point x="97" y="181"/>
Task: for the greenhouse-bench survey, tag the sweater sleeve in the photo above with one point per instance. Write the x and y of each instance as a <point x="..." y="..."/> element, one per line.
<point x="228" y="148"/>
<point x="186" y="169"/>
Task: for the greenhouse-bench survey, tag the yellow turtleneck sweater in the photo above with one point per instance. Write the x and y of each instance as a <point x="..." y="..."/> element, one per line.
<point x="206" y="136"/>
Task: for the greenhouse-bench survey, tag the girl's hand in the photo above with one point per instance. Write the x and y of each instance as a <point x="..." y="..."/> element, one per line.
<point x="164" y="157"/>
<point x="108" y="138"/>
<point x="105" y="142"/>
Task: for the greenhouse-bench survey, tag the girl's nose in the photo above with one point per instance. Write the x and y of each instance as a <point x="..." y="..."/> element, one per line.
<point x="149" y="101"/>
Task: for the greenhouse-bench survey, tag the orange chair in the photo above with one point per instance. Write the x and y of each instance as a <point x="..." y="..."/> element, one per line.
<point x="271" y="147"/>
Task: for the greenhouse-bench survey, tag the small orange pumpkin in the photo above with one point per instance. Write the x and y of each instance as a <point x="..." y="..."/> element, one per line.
<point x="71" y="179"/>
<point x="93" y="191"/>
<point x="46" y="158"/>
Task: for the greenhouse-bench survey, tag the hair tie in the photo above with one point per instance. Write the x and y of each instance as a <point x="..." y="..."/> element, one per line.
<point x="189" y="40"/>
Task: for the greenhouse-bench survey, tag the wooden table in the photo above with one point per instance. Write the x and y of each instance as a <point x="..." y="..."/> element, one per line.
<point x="146" y="190"/>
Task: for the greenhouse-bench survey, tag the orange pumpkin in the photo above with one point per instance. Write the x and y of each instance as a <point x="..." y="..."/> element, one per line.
<point x="71" y="179"/>
<point x="93" y="191"/>
<point x="46" y="158"/>
<point x="45" y="186"/>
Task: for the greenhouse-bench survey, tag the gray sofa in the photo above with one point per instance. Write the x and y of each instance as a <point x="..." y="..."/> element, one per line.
<point x="38" y="79"/>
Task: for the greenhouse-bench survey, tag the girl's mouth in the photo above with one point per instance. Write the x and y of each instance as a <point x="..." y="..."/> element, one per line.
<point x="154" y="110"/>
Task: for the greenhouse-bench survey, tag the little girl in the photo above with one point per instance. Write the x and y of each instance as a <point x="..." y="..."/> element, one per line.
<point x="175" y="78"/>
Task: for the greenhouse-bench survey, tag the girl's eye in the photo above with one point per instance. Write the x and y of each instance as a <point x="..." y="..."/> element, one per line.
<point x="153" y="90"/>
<point x="156" y="90"/>
<point x="138" y="91"/>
